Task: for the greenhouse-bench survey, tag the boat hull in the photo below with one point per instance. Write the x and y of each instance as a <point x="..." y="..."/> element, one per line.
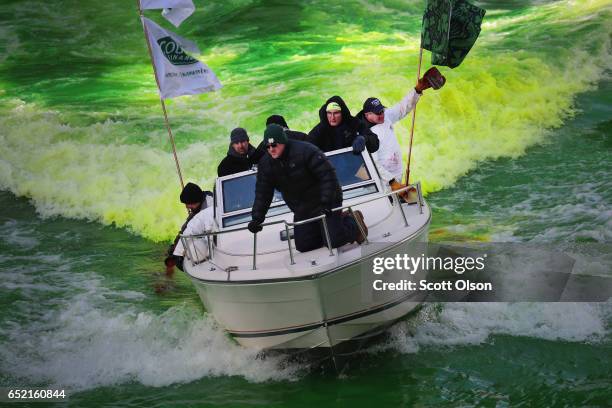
<point x="319" y="310"/>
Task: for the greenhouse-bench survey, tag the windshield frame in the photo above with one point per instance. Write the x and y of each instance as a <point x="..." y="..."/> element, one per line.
<point x="274" y="207"/>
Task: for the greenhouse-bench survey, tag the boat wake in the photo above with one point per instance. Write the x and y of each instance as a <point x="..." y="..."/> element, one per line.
<point x="65" y="325"/>
<point x="457" y="324"/>
<point x="83" y="346"/>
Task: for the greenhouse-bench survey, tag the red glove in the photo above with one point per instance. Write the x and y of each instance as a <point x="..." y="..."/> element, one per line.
<point x="170" y="263"/>
<point x="431" y="79"/>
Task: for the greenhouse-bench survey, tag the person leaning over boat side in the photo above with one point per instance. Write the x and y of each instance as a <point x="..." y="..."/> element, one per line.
<point x="309" y="186"/>
<point x="338" y="128"/>
<point x="202" y="222"/>
<point x="241" y="155"/>
<point x="380" y="120"/>
<point x="195" y="200"/>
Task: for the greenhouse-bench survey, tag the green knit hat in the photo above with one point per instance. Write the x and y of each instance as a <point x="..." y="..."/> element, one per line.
<point x="275" y="134"/>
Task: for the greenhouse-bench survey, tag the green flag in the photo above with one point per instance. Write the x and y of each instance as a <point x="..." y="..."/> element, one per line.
<point x="450" y="29"/>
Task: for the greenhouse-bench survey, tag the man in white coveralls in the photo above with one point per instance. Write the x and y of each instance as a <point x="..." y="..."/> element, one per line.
<point x="200" y="219"/>
<point x="381" y="120"/>
<point x="202" y="222"/>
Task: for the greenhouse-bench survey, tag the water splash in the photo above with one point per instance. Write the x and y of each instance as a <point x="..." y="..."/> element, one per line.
<point x="89" y="336"/>
<point x="456" y="324"/>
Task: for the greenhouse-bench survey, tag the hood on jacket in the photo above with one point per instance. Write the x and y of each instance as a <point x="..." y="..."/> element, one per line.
<point x="346" y="113"/>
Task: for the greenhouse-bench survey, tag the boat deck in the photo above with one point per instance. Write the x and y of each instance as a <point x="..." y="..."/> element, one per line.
<point x="232" y="259"/>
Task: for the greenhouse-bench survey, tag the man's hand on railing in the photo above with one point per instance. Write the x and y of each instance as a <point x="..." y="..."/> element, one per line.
<point x="254" y="226"/>
<point x="359" y="144"/>
<point x="327" y="210"/>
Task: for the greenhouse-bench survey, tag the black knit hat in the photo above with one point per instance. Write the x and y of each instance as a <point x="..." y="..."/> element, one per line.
<point x="278" y="119"/>
<point x="191" y="194"/>
<point x="239" y="135"/>
<point x="275" y="134"/>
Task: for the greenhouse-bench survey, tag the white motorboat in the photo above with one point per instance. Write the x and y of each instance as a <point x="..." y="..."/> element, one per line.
<point x="267" y="295"/>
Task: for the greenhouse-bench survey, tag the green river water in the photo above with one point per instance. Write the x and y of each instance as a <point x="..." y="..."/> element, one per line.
<point x="515" y="148"/>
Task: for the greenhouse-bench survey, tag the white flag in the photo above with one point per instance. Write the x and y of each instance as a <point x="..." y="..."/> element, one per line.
<point x="175" y="11"/>
<point x="178" y="73"/>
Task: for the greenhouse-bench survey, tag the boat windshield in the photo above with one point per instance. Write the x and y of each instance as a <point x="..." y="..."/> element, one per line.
<point x="239" y="192"/>
<point x="350" y="168"/>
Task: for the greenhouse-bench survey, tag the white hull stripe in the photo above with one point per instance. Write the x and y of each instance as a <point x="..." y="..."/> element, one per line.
<point x="330" y="322"/>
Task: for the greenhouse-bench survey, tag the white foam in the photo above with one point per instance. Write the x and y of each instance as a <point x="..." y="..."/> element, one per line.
<point x="92" y="341"/>
<point x="71" y="330"/>
<point x="453" y="324"/>
<point x="20" y="237"/>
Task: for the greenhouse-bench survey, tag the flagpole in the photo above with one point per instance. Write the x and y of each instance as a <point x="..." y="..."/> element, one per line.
<point x="413" y="120"/>
<point x="161" y="100"/>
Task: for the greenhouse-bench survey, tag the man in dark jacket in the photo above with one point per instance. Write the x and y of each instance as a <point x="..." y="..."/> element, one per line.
<point x="310" y="187"/>
<point x="241" y="155"/>
<point x="195" y="200"/>
<point x="291" y="134"/>
<point x="338" y="128"/>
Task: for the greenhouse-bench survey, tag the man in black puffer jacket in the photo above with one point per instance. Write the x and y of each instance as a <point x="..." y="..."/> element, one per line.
<point x="241" y="155"/>
<point x="338" y="128"/>
<point x="310" y="187"/>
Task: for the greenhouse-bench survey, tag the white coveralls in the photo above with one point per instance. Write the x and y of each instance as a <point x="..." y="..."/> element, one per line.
<point x="388" y="157"/>
<point x="202" y="222"/>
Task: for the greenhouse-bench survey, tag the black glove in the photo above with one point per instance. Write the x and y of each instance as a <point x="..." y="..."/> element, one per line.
<point x="359" y="144"/>
<point x="327" y="210"/>
<point x="255" y="226"/>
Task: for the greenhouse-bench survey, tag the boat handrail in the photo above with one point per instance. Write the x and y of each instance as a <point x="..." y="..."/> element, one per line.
<point x="207" y="235"/>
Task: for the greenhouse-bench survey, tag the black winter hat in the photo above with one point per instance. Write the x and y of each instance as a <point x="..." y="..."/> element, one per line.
<point x="191" y="194"/>
<point x="239" y="135"/>
<point x="278" y="119"/>
<point x="275" y="134"/>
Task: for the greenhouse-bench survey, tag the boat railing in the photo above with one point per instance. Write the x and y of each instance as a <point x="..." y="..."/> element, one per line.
<point x="195" y="256"/>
